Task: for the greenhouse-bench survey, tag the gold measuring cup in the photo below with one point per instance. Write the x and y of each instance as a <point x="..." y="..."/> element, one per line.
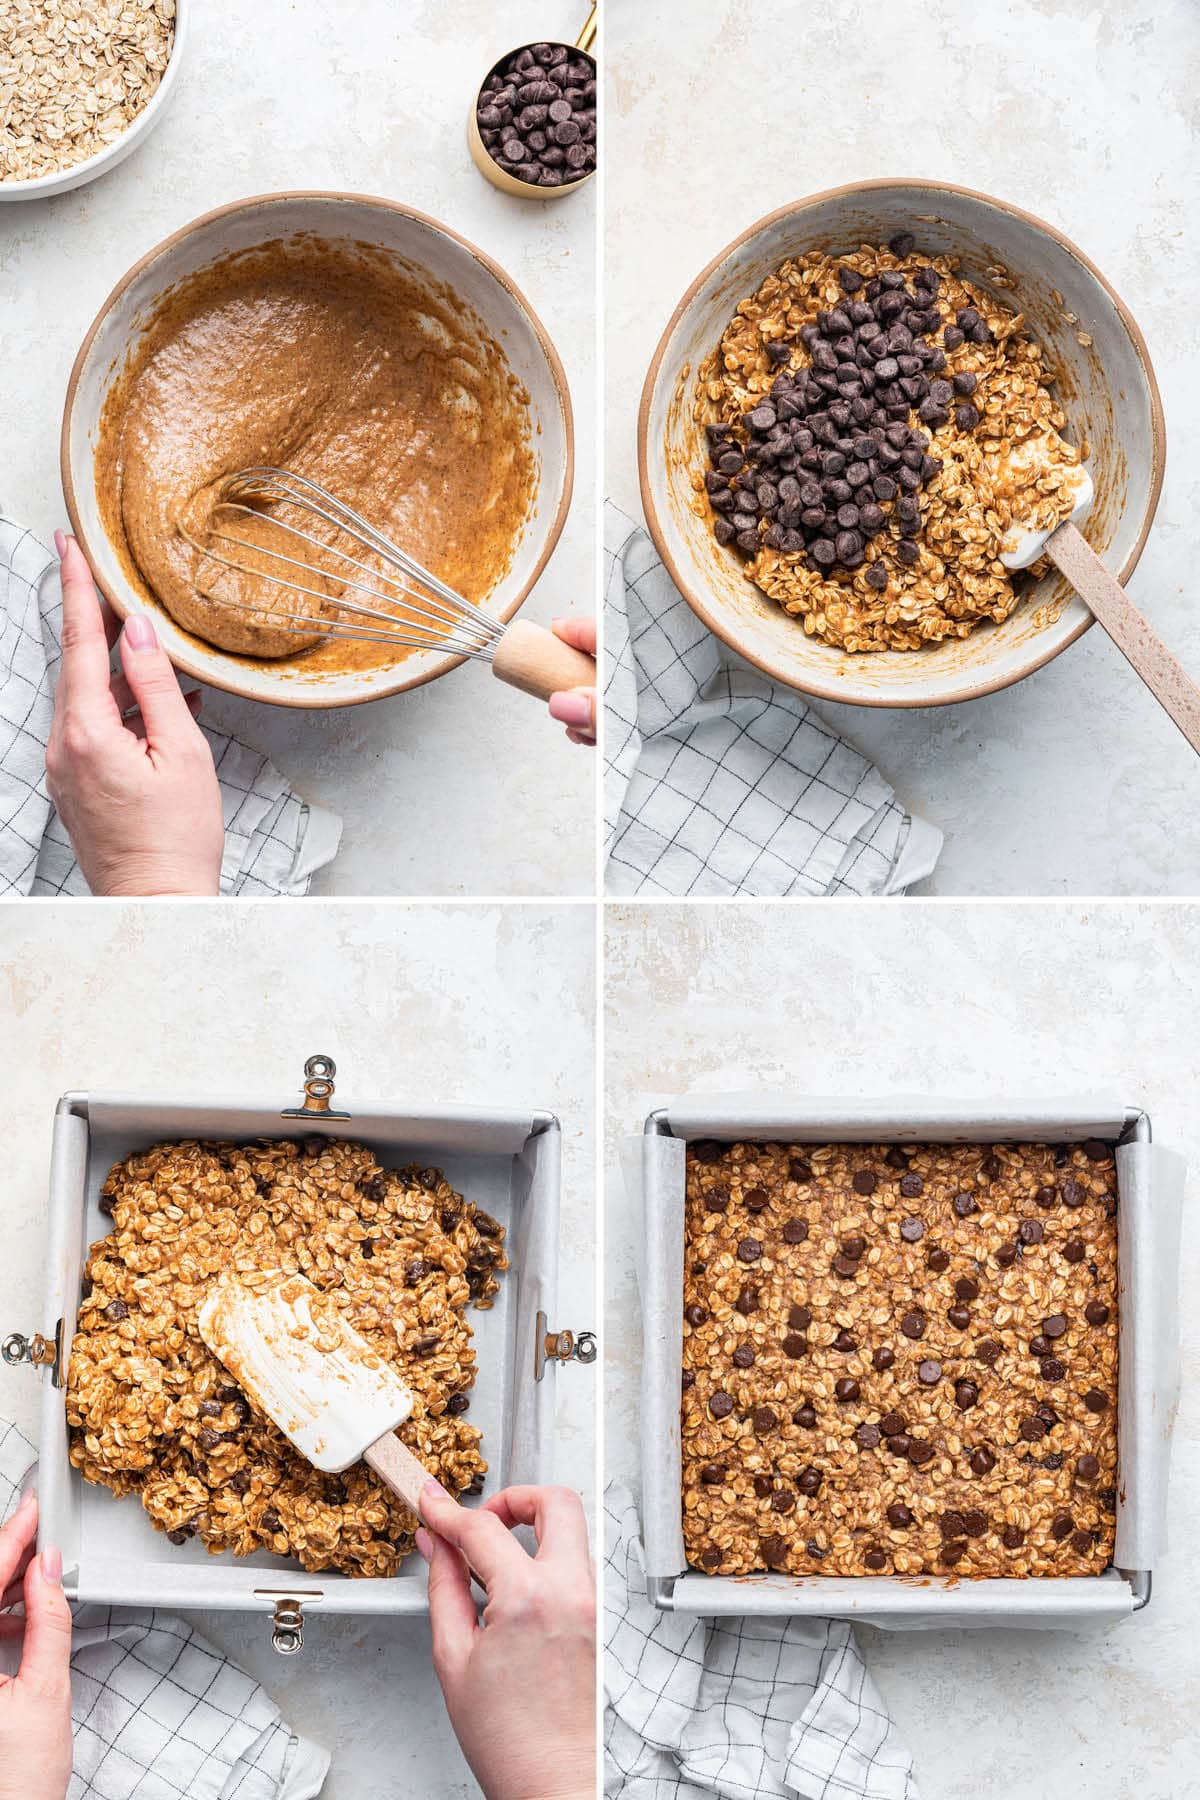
<point x="482" y="157"/>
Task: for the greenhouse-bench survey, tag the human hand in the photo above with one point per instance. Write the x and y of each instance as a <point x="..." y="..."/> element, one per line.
<point x="576" y="707"/>
<point x="35" y="1704"/>
<point x="128" y="768"/>
<point x="521" y="1688"/>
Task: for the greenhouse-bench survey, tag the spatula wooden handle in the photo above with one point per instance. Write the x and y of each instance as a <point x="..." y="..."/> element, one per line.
<point x="1170" y="684"/>
<point x="398" y="1468"/>
<point x="531" y="658"/>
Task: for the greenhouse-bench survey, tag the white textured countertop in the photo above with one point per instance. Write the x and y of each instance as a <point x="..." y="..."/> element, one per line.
<point x="988" y="1001"/>
<point x="416" y="1004"/>
<point x="463" y="787"/>
<point x="1073" y="781"/>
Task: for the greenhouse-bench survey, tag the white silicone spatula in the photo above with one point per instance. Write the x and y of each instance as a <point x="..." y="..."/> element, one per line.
<point x="288" y="1346"/>
<point x="1066" y="547"/>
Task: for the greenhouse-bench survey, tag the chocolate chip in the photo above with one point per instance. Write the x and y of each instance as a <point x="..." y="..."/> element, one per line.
<point x="1032" y="1430"/>
<point x="805" y="1417"/>
<point x="912" y="1230"/>
<point x="1046" y="1197"/>
<point x="1095" y="1149"/>
<point x="705" y="1150"/>
<point x="795" y="1231"/>
<point x="883" y="1358"/>
<point x="694" y="1314"/>
<point x="809" y="1480"/>
<point x="426" y="1344"/>
<point x="867" y="1437"/>
<point x="1096" y="1313"/>
<point x="845" y="1343"/>
<point x="966" y="1395"/>
<point x="712" y="1473"/>
<point x="901" y="245"/>
<point x="795" y="1346"/>
<point x="875" y="1559"/>
<point x="1095" y="1401"/>
<point x="756" y="1199"/>
<point x="899" y="1515"/>
<point x="911" y="1186"/>
<point x="953" y="1553"/>
<point x="913" y="1323"/>
<point x="210" y="1409"/>
<point x="1052" y="1369"/>
<point x="774" y="1550"/>
<point x="1055" y="1325"/>
<point x="966" y="1288"/>
<point x="982" y="1462"/>
<point x="938" y="1261"/>
<point x="799" y="1317"/>
<point x="896" y="1156"/>
<point x="929" y="1373"/>
<point x="846" y="1266"/>
<point x="959" y="1317"/>
<point x="1031" y="1231"/>
<point x="749" y="1250"/>
<point x="457" y="1405"/>
<point x="116" y="1310"/>
<point x="988" y="1352"/>
<point x="763" y="1419"/>
<point x="710" y="1559"/>
<point x="743" y="1356"/>
<point x="846" y="1389"/>
<point x="721" y="1404"/>
<point x="1074" y="1250"/>
<point x="799" y="1170"/>
<point x="1088" y="1467"/>
<point x="900" y="1444"/>
<point x="239" y="1481"/>
<point x="783" y="1500"/>
<point x="1062" y="1527"/>
<point x="920" y="1452"/>
<point x="687" y="1379"/>
<point x="1006" y="1255"/>
<point x="952" y="1524"/>
<point x="1040" y="1345"/>
<point x="1012" y="1537"/>
<point x="107" y="1205"/>
<point x="1072" y="1193"/>
<point x="209" y="1439"/>
<point x="717" y="1201"/>
<point x="864" y="1181"/>
<point x="965" y="1205"/>
<point x="975" y="1523"/>
<point x="1081" y="1543"/>
<point x="854" y="1247"/>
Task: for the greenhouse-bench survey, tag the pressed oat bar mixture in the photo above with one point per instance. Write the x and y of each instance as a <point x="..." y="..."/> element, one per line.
<point x="900" y="1361"/>
<point x="861" y="414"/>
<point x="152" y="1412"/>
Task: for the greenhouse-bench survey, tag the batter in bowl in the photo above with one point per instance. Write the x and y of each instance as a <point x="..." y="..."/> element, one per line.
<point x="335" y="362"/>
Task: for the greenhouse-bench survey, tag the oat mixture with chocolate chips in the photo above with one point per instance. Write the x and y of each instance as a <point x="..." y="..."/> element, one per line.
<point x="900" y="1361"/>
<point x="153" y="1413"/>
<point x="861" y="415"/>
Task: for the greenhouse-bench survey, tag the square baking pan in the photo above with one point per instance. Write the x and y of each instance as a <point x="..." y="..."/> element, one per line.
<point x="505" y="1161"/>
<point x="1149" y="1192"/>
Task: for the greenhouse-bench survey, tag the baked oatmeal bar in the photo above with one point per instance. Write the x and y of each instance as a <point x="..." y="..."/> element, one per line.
<point x="900" y="1360"/>
<point x="152" y="1412"/>
<point x="861" y="415"/>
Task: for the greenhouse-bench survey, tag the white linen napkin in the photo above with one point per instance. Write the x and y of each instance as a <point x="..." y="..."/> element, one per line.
<point x="719" y="781"/>
<point x="274" y="842"/>
<point x="158" y="1713"/>
<point x="747" y="1709"/>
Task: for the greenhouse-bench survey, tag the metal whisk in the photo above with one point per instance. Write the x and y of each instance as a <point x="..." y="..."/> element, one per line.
<point x="418" y="610"/>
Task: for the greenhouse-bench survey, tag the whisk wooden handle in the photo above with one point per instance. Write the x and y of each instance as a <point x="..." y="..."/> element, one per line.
<point x="531" y="658"/>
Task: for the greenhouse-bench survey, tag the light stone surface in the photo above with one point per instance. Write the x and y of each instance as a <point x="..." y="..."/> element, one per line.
<point x="981" y="1001"/>
<point x="1073" y="781"/>
<point x="464" y="786"/>
<point x="417" y="1005"/>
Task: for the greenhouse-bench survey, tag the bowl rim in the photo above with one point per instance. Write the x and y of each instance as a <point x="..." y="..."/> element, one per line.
<point x="76" y="175"/>
<point x="197" y="668"/>
<point x="713" y="617"/>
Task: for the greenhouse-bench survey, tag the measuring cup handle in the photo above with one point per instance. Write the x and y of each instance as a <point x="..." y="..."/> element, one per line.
<point x="531" y="658"/>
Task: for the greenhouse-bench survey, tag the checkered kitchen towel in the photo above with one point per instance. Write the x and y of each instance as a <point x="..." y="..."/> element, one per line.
<point x="274" y="843"/>
<point x="718" y="781"/>
<point x="158" y="1714"/>
<point x="748" y="1709"/>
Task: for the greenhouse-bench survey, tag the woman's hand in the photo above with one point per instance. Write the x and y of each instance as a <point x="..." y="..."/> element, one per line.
<point x="576" y="707"/>
<point x="521" y="1688"/>
<point x="35" y="1704"/>
<point x="128" y="768"/>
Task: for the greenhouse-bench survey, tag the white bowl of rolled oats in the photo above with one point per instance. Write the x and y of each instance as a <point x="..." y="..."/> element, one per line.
<point x="827" y="430"/>
<point x="84" y="82"/>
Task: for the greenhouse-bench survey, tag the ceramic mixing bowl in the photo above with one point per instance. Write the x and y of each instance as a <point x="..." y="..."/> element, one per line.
<point x="1106" y="387"/>
<point x="424" y="247"/>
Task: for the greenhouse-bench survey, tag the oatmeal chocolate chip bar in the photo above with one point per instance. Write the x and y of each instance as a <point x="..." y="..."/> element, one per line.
<point x="900" y="1359"/>
<point x="860" y="414"/>
<point x="152" y="1412"/>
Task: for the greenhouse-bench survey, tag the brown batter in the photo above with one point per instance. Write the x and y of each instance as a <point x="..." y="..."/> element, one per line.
<point x="337" y="363"/>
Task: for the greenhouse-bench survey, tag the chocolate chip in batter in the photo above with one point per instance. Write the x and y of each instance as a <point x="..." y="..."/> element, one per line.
<point x="795" y="1346"/>
<point x="721" y="1404"/>
<point x="846" y="1389"/>
<point x="795" y="1231"/>
<point x="867" y="1437"/>
<point x="756" y="1199"/>
<point x="965" y="1205"/>
<point x="763" y="1419"/>
<point x="864" y="1181"/>
<point x="809" y="1481"/>
<point x="1096" y="1312"/>
<point x="711" y="1474"/>
<point x="929" y="1372"/>
<point x="938" y="1261"/>
<point x="966" y="1395"/>
<point x="1095" y="1401"/>
<point x="988" y="1352"/>
<point x="749" y="1250"/>
<point x="804" y="1416"/>
<point x="799" y="1170"/>
<point x="1088" y="1467"/>
<point x="1096" y="1150"/>
<point x="899" y="1515"/>
<point x="694" y="1314"/>
<point x="912" y="1230"/>
<point x="743" y="1356"/>
<point x="799" y="1317"/>
<point x="883" y="1358"/>
<point x="911" y="1186"/>
<point x="1031" y="1231"/>
<point x="1074" y="1250"/>
<point x="746" y="1301"/>
<point x="913" y="1323"/>
<point x="982" y="1462"/>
